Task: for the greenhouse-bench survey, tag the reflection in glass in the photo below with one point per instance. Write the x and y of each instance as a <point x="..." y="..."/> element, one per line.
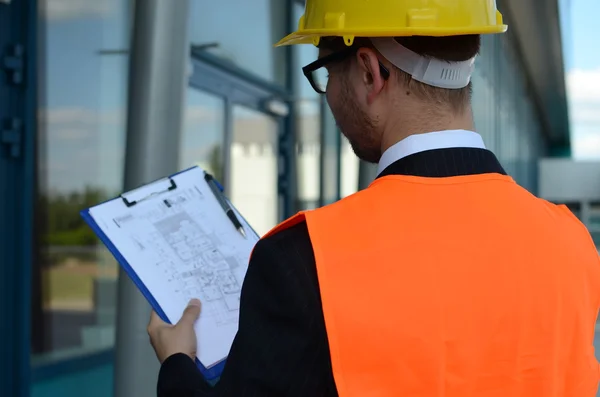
<point x="308" y="152"/>
<point x="308" y="135"/>
<point x="203" y="133"/>
<point x="504" y="111"/>
<point x="349" y="169"/>
<point x="239" y="31"/>
<point x="253" y="187"/>
<point x="82" y="96"/>
<point x="330" y="158"/>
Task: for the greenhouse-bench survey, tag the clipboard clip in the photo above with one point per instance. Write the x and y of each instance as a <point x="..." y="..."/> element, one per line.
<point x="148" y="191"/>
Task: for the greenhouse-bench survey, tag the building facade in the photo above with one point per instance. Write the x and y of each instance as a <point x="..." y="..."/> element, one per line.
<point x="249" y="117"/>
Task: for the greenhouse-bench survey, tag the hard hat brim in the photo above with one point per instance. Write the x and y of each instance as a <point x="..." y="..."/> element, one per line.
<point x="312" y="36"/>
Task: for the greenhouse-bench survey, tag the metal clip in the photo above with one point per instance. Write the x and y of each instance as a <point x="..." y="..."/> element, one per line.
<point x="11" y="136"/>
<point x="14" y="63"/>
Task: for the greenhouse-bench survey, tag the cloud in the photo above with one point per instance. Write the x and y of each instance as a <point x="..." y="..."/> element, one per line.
<point x="80" y="124"/>
<point x="586" y="113"/>
<point x="76" y="115"/>
<point x="201" y="114"/>
<point x="69" y="116"/>
<point x="584" y="85"/>
<point x="70" y="134"/>
<point x="73" y="123"/>
<point x="586" y="144"/>
<point x="69" y="9"/>
<point x="584" y="108"/>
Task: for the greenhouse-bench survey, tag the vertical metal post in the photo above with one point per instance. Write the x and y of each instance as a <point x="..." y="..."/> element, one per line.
<point x="284" y="64"/>
<point x="157" y="84"/>
<point x="329" y="161"/>
<point x="322" y="143"/>
<point x="228" y="127"/>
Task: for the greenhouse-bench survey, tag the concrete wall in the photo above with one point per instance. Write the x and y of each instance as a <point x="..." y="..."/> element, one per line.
<point x="566" y="180"/>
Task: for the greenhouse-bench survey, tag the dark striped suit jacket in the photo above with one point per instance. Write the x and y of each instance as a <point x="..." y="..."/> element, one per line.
<point x="281" y="347"/>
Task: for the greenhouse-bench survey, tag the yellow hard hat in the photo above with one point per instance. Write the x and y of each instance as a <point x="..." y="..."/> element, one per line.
<point x="394" y="18"/>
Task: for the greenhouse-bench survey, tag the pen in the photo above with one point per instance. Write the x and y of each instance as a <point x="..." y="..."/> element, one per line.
<point x="223" y="203"/>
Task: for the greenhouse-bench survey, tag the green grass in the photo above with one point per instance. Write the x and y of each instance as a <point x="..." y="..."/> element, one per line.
<point x="64" y="284"/>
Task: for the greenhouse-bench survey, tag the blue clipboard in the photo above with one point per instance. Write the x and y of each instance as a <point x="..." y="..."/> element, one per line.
<point x="210" y="374"/>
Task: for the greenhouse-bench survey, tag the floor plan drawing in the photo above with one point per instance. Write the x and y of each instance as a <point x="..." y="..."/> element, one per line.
<point x="207" y="268"/>
<point x="181" y="245"/>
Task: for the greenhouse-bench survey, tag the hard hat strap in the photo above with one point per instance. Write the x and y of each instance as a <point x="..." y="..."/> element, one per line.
<point x="434" y="72"/>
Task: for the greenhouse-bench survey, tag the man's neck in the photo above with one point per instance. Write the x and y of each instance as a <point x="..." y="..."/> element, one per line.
<point x="422" y="123"/>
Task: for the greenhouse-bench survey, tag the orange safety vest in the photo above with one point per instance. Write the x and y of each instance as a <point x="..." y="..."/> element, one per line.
<point x="465" y="286"/>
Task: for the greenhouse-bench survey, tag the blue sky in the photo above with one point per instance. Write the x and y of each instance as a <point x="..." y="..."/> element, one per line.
<point x="583" y="77"/>
<point x="585" y="33"/>
<point x="84" y="94"/>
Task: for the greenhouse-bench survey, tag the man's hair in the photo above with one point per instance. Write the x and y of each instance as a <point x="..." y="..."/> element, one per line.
<point x="448" y="49"/>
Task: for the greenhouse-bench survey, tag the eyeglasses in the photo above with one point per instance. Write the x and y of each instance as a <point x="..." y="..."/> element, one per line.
<point x="317" y="75"/>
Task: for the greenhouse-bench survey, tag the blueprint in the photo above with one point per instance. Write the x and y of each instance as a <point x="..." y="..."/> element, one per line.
<point x="181" y="245"/>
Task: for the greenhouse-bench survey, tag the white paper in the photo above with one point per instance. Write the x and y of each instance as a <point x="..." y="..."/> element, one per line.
<point x="181" y="245"/>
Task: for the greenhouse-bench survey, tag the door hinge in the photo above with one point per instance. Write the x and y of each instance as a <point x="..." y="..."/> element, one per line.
<point x="10" y="135"/>
<point x="13" y="63"/>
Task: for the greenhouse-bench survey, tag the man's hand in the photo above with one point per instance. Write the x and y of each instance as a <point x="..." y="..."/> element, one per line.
<point x="167" y="339"/>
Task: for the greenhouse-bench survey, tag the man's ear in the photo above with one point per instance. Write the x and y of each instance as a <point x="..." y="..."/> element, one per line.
<point x="368" y="65"/>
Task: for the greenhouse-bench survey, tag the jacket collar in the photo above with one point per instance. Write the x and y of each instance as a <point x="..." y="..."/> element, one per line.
<point x="439" y="154"/>
<point x="448" y="162"/>
<point x="430" y="141"/>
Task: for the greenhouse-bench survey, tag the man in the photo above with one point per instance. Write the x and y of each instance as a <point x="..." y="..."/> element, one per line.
<point x="442" y="278"/>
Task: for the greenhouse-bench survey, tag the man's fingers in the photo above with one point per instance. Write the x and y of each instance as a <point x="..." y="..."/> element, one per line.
<point x="155" y="322"/>
<point x="191" y="312"/>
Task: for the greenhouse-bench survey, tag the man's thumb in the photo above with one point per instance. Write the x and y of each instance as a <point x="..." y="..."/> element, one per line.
<point x="191" y="312"/>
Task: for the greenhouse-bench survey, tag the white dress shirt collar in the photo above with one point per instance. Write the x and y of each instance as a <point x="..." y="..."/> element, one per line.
<point x="429" y="141"/>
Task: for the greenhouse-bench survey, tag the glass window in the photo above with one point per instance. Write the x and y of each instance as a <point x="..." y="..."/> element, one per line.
<point x="308" y="153"/>
<point x="330" y="158"/>
<point x="203" y="133"/>
<point x="484" y="93"/>
<point x="253" y="153"/>
<point x="504" y="110"/>
<point x="240" y="31"/>
<point x="82" y="94"/>
<point x="349" y="169"/>
<point x="308" y="144"/>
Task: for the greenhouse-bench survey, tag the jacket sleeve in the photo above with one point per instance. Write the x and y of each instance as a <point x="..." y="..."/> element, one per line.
<point x="281" y="347"/>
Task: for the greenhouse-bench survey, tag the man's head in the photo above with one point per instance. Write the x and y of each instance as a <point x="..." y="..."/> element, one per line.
<point x="368" y="95"/>
<point x="382" y="89"/>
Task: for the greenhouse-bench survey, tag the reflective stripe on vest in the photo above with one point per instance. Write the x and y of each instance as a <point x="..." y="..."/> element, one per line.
<point x="466" y="286"/>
